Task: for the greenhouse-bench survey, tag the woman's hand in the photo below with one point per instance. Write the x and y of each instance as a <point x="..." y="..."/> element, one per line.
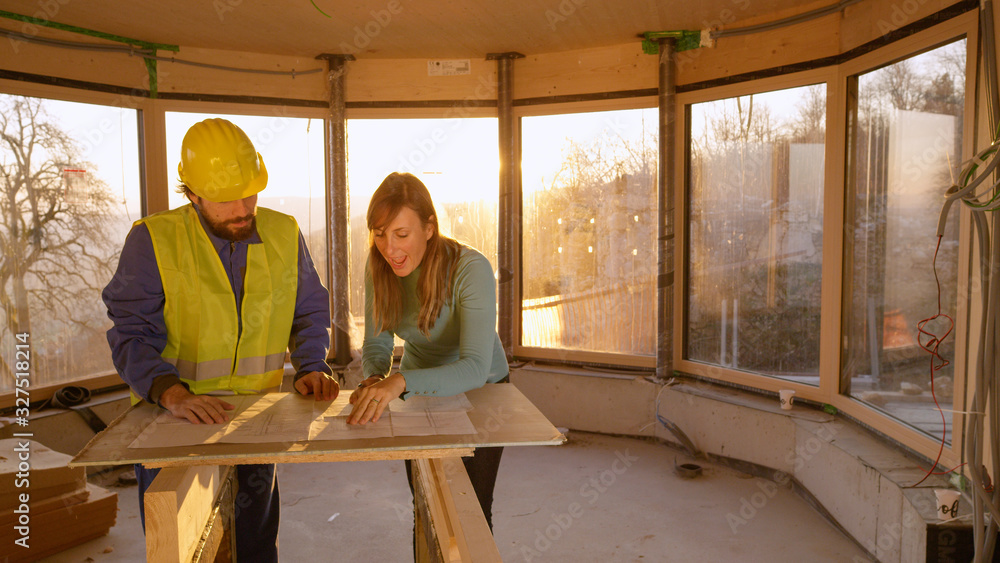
<point x="371" y="400"/>
<point x="369" y="381"/>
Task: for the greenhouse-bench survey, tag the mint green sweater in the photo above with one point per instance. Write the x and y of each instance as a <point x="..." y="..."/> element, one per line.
<point x="462" y="350"/>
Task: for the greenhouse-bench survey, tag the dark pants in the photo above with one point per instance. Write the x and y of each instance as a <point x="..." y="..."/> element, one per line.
<point x="256" y="506"/>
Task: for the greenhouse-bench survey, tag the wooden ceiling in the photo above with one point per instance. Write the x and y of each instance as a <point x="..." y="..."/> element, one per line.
<point x="435" y="29"/>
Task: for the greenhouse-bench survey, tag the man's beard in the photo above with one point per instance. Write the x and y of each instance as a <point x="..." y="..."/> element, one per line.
<point x="225" y="230"/>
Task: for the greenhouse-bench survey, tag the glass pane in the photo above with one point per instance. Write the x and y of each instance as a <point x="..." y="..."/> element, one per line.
<point x="589" y="221"/>
<point x="906" y="151"/>
<point x="756" y="231"/>
<point x="457" y="159"/>
<point x="292" y="150"/>
<point x="70" y="181"/>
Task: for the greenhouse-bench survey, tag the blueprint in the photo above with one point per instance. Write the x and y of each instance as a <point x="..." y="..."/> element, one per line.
<point x="290" y="417"/>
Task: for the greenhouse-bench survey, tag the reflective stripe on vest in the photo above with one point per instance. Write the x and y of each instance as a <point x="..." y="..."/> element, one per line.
<point x="203" y="339"/>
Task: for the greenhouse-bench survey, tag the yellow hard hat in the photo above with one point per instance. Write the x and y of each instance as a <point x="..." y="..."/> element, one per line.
<point x="219" y="162"/>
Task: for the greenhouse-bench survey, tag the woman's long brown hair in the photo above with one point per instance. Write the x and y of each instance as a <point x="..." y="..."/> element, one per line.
<point x="437" y="268"/>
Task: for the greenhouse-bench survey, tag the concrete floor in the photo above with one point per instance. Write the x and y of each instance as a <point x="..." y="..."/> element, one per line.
<point x="596" y="498"/>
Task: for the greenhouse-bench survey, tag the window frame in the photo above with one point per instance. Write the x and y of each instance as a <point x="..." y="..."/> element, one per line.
<point x="830" y="389"/>
<point x="565" y="355"/>
<point x="105" y="379"/>
<point x="154" y="168"/>
<point x="832" y="177"/>
<point x="409" y="112"/>
<point x="966" y="326"/>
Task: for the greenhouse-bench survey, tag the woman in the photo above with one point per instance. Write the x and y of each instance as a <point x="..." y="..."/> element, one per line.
<point x="439" y="297"/>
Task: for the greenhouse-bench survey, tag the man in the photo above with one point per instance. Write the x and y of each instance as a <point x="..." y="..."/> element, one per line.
<point x="206" y="300"/>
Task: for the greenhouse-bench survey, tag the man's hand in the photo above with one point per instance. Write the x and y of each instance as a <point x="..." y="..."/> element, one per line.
<point x="196" y="408"/>
<point x="323" y="386"/>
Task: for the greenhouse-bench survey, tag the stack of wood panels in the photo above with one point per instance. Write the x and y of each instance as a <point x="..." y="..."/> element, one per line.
<point x="46" y="506"/>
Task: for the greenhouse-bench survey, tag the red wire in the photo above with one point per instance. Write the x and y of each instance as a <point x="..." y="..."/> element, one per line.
<point x="950" y="470"/>
<point x="931" y="347"/>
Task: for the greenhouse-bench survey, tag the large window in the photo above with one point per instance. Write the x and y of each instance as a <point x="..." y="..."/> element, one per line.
<point x="69" y="175"/>
<point x="755" y="232"/>
<point x="292" y="150"/>
<point x="455" y="158"/>
<point x="589" y="231"/>
<point x="905" y="140"/>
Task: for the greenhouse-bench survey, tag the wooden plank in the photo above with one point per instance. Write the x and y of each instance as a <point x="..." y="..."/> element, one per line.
<point x="455" y="549"/>
<point x="38" y="504"/>
<point x="411" y="83"/>
<point x="426" y="507"/>
<point x="49" y="474"/>
<point x="56" y="530"/>
<point x="425" y="549"/>
<point x="450" y="523"/>
<point x="477" y="537"/>
<point x="585" y="71"/>
<point x="33" y="58"/>
<point x="740" y="54"/>
<point x="501" y="414"/>
<point x="218" y="541"/>
<point x="868" y="21"/>
<point x="249" y="458"/>
<point x="178" y="504"/>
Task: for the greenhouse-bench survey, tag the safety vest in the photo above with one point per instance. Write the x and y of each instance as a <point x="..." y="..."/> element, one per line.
<point x="203" y="336"/>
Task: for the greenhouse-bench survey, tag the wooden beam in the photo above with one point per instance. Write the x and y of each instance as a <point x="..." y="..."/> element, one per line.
<point x="450" y="525"/>
<point x="477" y="534"/>
<point x="218" y="540"/>
<point x="178" y="504"/>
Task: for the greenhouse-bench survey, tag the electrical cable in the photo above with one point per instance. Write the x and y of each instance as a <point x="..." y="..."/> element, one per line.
<point x="15" y="35"/>
<point x="686" y="442"/>
<point x="144" y="53"/>
<point x="791" y="20"/>
<point x="937" y="361"/>
<point x="986" y="381"/>
<point x="292" y="73"/>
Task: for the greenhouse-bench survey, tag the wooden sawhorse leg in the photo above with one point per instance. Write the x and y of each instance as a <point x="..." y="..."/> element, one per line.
<point x="190" y="515"/>
<point x="450" y="525"/>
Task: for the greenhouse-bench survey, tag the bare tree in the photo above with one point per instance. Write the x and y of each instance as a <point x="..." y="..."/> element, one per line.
<point x="589" y="238"/>
<point x="809" y="123"/>
<point x="54" y="232"/>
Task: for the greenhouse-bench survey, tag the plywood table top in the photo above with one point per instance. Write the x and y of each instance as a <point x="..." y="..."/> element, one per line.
<point x="501" y="414"/>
